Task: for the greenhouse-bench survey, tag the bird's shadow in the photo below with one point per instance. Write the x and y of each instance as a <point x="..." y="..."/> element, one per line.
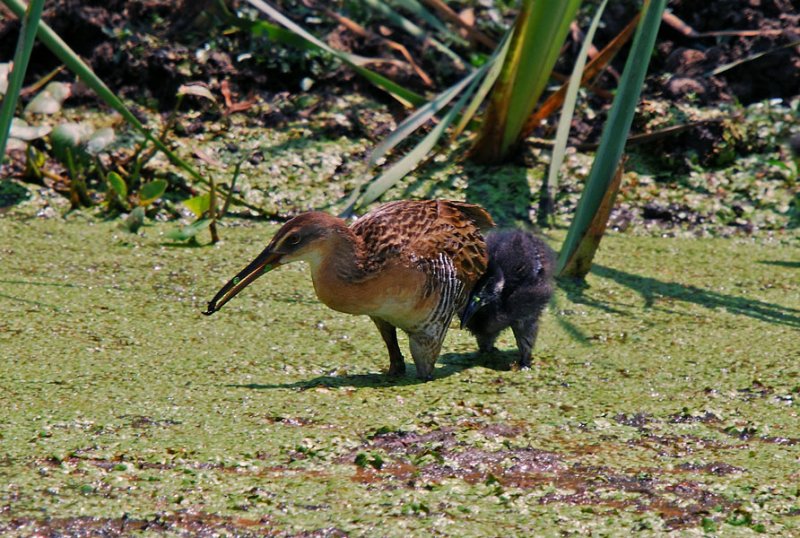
<point x="448" y="364"/>
<point x="498" y="360"/>
<point x="781" y="263"/>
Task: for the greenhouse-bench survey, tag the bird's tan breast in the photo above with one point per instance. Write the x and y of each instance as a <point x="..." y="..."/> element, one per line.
<point x="395" y="294"/>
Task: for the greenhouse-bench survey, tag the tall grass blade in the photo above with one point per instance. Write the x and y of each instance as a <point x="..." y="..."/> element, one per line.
<point x="358" y="63"/>
<point x="73" y="62"/>
<point x="487" y="73"/>
<point x="408" y="26"/>
<point x="722" y="68"/>
<point x="422" y="115"/>
<point x="496" y="65"/>
<point x="447" y="13"/>
<point x="423" y="14"/>
<point x="427" y="111"/>
<point x="282" y="35"/>
<point x="612" y="144"/>
<point x="273" y="32"/>
<point x="594" y="68"/>
<point x="539" y="33"/>
<point x="584" y="255"/>
<point x="565" y="120"/>
<point x="410" y="161"/>
<point x="27" y="37"/>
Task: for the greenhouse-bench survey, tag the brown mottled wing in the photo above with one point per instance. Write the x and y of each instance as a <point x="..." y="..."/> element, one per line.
<point x="421" y="231"/>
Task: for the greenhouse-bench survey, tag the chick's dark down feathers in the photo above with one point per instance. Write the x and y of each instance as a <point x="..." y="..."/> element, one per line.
<point x="513" y="292"/>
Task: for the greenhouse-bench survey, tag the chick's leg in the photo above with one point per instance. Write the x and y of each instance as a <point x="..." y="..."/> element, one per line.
<point x="525" y="331"/>
<point x="486" y="341"/>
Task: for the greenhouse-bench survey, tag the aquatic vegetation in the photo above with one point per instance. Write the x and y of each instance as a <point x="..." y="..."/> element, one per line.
<point x="663" y="398"/>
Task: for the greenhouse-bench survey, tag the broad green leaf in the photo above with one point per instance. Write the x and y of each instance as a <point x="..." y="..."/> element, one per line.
<point x="118" y="185"/>
<point x="276" y="33"/>
<point x="34" y="161"/>
<point x="150" y="192"/>
<point x="539" y="34"/>
<point x="187" y="232"/>
<point x="199" y="204"/>
<point x="777" y="162"/>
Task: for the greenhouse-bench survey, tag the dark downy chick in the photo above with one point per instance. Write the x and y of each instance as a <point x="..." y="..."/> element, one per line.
<point x="513" y="292"/>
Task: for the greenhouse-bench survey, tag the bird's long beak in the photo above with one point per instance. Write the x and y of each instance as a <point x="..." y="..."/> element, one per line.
<point x="473" y="306"/>
<point x="265" y="262"/>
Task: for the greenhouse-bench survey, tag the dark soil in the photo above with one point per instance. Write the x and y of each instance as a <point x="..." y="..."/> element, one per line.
<point x="150" y="47"/>
<point x="763" y="27"/>
<point x="145" y="49"/>
<point x="185" y="523"/>
<point x="418" y="460"/>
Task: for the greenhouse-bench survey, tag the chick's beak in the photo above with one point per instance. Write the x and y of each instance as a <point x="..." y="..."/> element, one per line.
<point x="265" y="262"/>
<point x="473" y="306"/>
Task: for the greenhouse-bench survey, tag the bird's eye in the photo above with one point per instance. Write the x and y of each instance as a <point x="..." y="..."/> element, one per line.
<point x="293" y="239"/>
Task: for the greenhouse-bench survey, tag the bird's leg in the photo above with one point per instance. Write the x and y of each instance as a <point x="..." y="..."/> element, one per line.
<point x="525" y="331"/>
<point x="425" y="350"/>
<point x="397" y="365"/>
<point x="486" y="341"/>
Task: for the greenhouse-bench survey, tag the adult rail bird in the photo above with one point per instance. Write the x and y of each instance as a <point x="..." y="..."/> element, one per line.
<point x="513" y="292"/>
<point x="406" y="265"/>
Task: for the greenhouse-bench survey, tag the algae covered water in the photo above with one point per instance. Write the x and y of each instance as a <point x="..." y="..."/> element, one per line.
<point x="664" y="396"/>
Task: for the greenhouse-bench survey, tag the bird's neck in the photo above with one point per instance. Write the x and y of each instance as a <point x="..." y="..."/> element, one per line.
<point x="338" y="273"/>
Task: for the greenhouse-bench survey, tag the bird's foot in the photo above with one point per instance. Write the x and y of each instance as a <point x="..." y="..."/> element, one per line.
<point x="524" y="363"/>
<point x="424" y="371"/>
<point x="396" y="369"/>
<point x="425" y="376"/>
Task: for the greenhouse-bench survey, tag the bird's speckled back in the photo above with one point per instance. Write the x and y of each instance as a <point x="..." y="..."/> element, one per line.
<point x="420" y="232"/>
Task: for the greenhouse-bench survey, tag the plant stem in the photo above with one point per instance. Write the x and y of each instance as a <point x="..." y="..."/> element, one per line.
<point x="212" y="210"/>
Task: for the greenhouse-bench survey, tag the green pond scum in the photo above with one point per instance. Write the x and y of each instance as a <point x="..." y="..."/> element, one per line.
<point x="664" y="398"/>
